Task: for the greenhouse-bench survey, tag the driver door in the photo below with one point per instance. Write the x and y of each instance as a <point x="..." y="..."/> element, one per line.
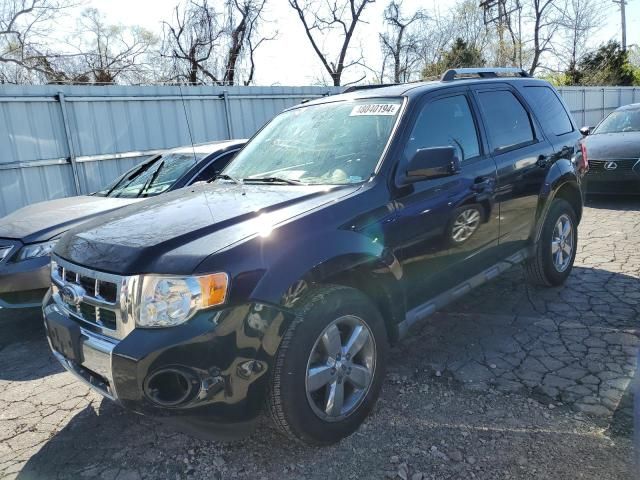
<point x="448" y="226"/>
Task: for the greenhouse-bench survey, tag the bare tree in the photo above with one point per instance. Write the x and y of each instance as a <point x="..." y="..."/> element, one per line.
<point x="209" y="45"/>
<point x="545" y="17"/>
<point x="468" y="24"/>
<point x="191" y="39"/>
<point x="400" y="43"/>
<point x="110" y="52"/>
<point x="581" y="19"/>
<point x="324" y="19"/>
<point x="435" y="40"/>
<point x="24" y="29"/>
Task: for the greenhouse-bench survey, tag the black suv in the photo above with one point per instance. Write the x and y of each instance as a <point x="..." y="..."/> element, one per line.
<point x="339" y="225"/>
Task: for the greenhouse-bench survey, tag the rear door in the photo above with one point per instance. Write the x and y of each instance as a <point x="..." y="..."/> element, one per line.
<point x="447" y="226"/>
<point x="522" y="155"/>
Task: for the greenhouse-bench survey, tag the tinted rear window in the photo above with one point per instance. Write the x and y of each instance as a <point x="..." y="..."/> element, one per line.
<point x="506" y="119"/>
<point x="549" y="110"/>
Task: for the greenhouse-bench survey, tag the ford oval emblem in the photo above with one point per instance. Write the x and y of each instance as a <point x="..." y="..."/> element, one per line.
<point x="610" y="166"/>
<point x="72" y="294"/>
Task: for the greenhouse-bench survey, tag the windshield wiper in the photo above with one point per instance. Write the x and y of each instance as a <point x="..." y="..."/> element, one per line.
<point x="152" y="179"/>
<point x="224" y="176"/>
<point x="138" y="171"/>
<point x="273" y="180"/>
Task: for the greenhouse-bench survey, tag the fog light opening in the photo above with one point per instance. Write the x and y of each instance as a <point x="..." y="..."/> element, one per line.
<point x="168" y="388"/>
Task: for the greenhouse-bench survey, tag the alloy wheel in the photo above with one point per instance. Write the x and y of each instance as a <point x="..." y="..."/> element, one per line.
<point x="341" y="368"/>
<point x="562" y="243"/>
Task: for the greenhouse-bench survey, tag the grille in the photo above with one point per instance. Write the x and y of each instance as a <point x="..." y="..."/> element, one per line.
<point x="98" y="306"/>
<point x="624" y="167"/>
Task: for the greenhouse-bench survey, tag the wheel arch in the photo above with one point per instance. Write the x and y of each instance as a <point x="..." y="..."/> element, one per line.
<point x="571" y="193"/>
<point x="562" y="182"/>
<point x="349" y="259"/>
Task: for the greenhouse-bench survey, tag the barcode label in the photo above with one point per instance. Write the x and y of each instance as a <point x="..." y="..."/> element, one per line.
<point x="375" y="109"/>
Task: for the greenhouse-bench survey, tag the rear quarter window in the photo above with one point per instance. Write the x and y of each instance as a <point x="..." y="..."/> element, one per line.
<point x="550" y="112"/>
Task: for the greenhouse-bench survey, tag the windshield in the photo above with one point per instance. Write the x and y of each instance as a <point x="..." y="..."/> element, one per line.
<point x="620" y="121"/>
<point x="332" y="143"/>
<point x="152" y="178"/>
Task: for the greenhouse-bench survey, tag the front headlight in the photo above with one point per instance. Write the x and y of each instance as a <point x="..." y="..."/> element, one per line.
<point x="36" y="250"/>
<point x="169" y="301"/>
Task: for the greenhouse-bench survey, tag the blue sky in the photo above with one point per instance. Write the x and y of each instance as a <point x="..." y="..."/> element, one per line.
<point x="275" y="63"/>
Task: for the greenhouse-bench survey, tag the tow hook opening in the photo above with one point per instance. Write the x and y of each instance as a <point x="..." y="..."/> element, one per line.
<point x="171" y="387"/>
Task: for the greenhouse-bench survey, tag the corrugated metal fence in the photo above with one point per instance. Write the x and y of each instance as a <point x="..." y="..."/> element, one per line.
<point x="57" y="141"/>
<point x="589" y="105"/>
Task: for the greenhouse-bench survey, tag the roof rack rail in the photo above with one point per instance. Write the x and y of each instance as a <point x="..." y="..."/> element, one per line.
<point x="491" y="72"/>
<point x="355" y="88"/>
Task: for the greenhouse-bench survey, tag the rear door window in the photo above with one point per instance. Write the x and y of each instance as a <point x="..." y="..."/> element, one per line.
<point x="549" y="110"/>
<point x="507" y="121"/>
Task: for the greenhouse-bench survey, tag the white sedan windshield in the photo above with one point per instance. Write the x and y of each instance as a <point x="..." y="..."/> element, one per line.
<point x="331" y="143"/>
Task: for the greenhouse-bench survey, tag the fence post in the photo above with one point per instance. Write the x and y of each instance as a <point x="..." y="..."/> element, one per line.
<point x="72" y="153"/>
<point x="584" y="106"/>
<point x="602" y="109"/>
<point x="619" y="96"/>
<point x="227" y="114"/>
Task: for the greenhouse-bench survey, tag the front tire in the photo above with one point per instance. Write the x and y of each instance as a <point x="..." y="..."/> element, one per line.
<point x="330" y="366"/>
<point x="556" y="249"/>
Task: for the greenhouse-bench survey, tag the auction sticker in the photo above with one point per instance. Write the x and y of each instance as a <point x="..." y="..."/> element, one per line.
<point x="375" y="109"/>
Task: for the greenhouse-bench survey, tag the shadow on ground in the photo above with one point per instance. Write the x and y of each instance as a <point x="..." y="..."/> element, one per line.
<point x="614" y="202"/>
<point x="20" y="325"/>
<point x="429" y="424"/>
<point x="26" y="361"/>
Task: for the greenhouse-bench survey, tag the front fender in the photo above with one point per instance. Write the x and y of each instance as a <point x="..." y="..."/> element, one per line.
<point x="328" y="254"/>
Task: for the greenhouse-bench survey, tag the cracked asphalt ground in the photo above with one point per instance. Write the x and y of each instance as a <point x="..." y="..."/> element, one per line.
<point x="509" y="382"/>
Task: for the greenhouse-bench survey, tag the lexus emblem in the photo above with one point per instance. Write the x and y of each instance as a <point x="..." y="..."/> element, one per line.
<point x="72" y="294"/>
<point x="610" y="165"/>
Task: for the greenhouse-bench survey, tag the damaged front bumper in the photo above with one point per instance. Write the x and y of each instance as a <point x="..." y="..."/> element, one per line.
<point x="208" y="377"/>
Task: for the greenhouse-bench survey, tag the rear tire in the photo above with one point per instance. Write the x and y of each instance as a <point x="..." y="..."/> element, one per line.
<point x="330" y="366"/>
<point x="556" y="249"/>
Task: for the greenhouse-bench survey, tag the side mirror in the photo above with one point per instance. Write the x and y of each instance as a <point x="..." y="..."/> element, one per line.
<point x="585" y="131"/>
<point x="434" y="162"/>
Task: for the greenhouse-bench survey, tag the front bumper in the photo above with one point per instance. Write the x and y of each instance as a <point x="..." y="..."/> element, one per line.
<point x="24" y="284"/>
<point x="624" y="179"/>
<point x="226" y="355"/>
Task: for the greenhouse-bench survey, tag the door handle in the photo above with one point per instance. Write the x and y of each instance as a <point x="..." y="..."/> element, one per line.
<point x="480" y="184"/>
<point x="542" y="160"/>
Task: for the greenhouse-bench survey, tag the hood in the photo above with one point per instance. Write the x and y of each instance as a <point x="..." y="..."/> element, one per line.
<point x="613" y="146"/>
<point x="175" y="232"/>
<point x="39" y="222"/>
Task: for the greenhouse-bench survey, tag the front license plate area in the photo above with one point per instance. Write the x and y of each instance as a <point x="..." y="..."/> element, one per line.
<point x="65" y="335"/>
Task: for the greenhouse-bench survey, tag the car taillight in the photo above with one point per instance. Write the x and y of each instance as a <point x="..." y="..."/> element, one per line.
<point x="584" y="162"/>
